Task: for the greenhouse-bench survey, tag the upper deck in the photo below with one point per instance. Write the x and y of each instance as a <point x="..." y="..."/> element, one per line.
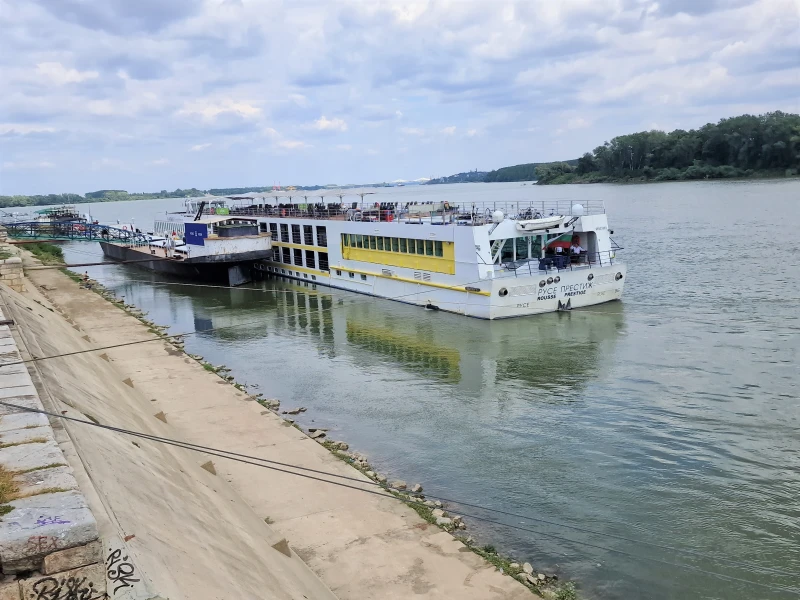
<point x="437" y="213"/>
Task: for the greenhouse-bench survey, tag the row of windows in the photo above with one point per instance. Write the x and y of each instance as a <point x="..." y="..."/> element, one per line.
<point x="289" y="272"/>
<point x="295" y="256"/>
<point x="352" y="275"/>
<point x="306" y="237"/>
<point x="392" y="244"/>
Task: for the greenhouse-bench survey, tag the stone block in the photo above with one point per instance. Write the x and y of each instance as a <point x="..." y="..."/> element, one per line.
<point x="31" y="456"/>
<point x="22" y="420"/>
<point x="43" y="524"/>
<point x="73" y="558"/>
<point x="84" y="582"/>
<point x="32" y="483"/>
<point x="29" y="401"/>
<point x="9" y="393"/>
<point x="9" y="590"/>
<point x="22" y="436"/>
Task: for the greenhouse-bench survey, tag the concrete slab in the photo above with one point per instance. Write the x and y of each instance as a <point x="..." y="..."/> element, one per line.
<point x="30" y="456"/>
<point x="43" y="524"/>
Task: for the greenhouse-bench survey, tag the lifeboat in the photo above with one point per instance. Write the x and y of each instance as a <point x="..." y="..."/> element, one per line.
<point x="537" y="224"/>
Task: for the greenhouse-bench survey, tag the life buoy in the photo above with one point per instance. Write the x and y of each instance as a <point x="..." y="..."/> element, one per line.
<point x="447" y="206"/>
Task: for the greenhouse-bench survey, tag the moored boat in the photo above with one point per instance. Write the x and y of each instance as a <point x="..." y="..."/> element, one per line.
<point x="489" y="262"/>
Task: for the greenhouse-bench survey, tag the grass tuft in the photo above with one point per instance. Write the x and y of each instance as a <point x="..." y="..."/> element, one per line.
<point x="42" y="468"/>
<point x="30" y="441"/>
<point x="8" y="487"/>
<point x="49" y="254"/>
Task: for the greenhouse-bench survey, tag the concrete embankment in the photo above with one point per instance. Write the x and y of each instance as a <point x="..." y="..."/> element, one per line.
<point x="360" y="545"/>
<point x="169" y="527"/>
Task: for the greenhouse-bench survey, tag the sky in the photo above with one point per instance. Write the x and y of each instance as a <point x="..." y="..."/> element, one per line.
<point x="148" y="95"/>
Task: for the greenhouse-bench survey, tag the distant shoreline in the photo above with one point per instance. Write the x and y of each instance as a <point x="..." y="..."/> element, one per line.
<point x="587" y="179"/>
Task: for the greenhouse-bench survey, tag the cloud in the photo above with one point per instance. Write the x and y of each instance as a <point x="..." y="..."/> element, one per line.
<point x="210" y="110"/>
<point x="325" y="124"/>
<point x="14" y="165"/>
<point x="292" y="145"/>
<point x="57" y="74"/>
<point x="160" y="162"/>
<point x="145" y="79"/>
<point x="345" y="147"/>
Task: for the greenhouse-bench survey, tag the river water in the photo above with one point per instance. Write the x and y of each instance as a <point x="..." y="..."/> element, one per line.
<point x="664" y="430"/>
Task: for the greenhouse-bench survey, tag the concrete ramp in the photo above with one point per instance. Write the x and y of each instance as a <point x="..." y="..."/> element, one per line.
<point x="169" y="528"/>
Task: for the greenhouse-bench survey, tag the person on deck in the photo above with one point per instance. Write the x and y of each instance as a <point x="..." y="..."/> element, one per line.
<point x="575" y="249"/>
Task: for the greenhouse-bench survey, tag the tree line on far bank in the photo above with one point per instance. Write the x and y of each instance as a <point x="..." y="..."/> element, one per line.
<point x="98" y="196"/>
<point x="744" y="146"/>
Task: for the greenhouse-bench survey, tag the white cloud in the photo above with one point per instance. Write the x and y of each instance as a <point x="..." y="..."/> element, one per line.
<point x="57" y="74"/>
<point x="199" y="147"/>
<point x="472" y="132"/>
<point x="325" y="124"/>
<point x="210" y="110"/>
<point x="372" y="152"/>
<point x="15" y="165"/>
<point x="24" y="128"/>
<point x="344" y="147"/>
<point x="160" y="162"/>
<point x="412" y="131"/>
<point x="449" y="130"/>
<point x="292" y="145"/>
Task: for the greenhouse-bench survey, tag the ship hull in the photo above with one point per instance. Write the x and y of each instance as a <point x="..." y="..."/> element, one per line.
<point x="230" y="270"/>
<point x="499" y="298"/>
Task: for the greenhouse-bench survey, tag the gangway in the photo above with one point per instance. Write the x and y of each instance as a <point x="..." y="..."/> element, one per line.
<point x="78" y="231"/>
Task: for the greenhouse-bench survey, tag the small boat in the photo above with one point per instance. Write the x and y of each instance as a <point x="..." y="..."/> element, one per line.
<point x="542" y="223"/>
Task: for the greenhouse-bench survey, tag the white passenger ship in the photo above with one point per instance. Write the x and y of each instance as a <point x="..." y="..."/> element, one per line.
<point x="490" y="262"/>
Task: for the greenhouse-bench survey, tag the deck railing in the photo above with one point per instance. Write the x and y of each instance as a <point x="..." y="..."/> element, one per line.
<point x="440" y="213"/>
<point x="560" y="262"/>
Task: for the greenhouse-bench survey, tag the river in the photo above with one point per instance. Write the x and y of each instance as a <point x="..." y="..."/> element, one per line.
<point x="664" y="430"/>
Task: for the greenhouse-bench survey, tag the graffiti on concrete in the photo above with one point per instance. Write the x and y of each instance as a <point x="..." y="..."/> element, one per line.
<point x="41" y="544"/>
<point x="57" y="520"/>
<point x="119" y="571"/>
<point x="65" y="588"/>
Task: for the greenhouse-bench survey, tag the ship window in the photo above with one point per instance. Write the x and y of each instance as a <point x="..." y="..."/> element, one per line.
<point x="345" y="240"/>
<point x="314" y="278"/>
<point x="273" y="229"/>
<point x="387" y="244"/>
<point x="372" y="242"/>
<point x="310" y="262"/>
<point x="437" y="249"/>
<point x="403" y="245"/>
<point x="262" y="227"/>
<point x="338" y="272"/>
<point x="287" y="256"/>
<point x="276" y="254"/>
<point x="522" y="248"/>
<point x="429" y="247"/>
<point x="323" y="261"/>
<point x="296" y="234"/>
<point x="352" y="275"/>
<point x="380" y="243"/>
<point x="395" y="245"/>
<point x="298" y="257"/>
<point x="420" y="246"/>
<point x="308" y="235"/>
<point x="305" y="275"/>
<point x="363" y="277"/>
<point x="322" y="236"/>
<point x="284" y="232"/>
<point x="507" y="252"/>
